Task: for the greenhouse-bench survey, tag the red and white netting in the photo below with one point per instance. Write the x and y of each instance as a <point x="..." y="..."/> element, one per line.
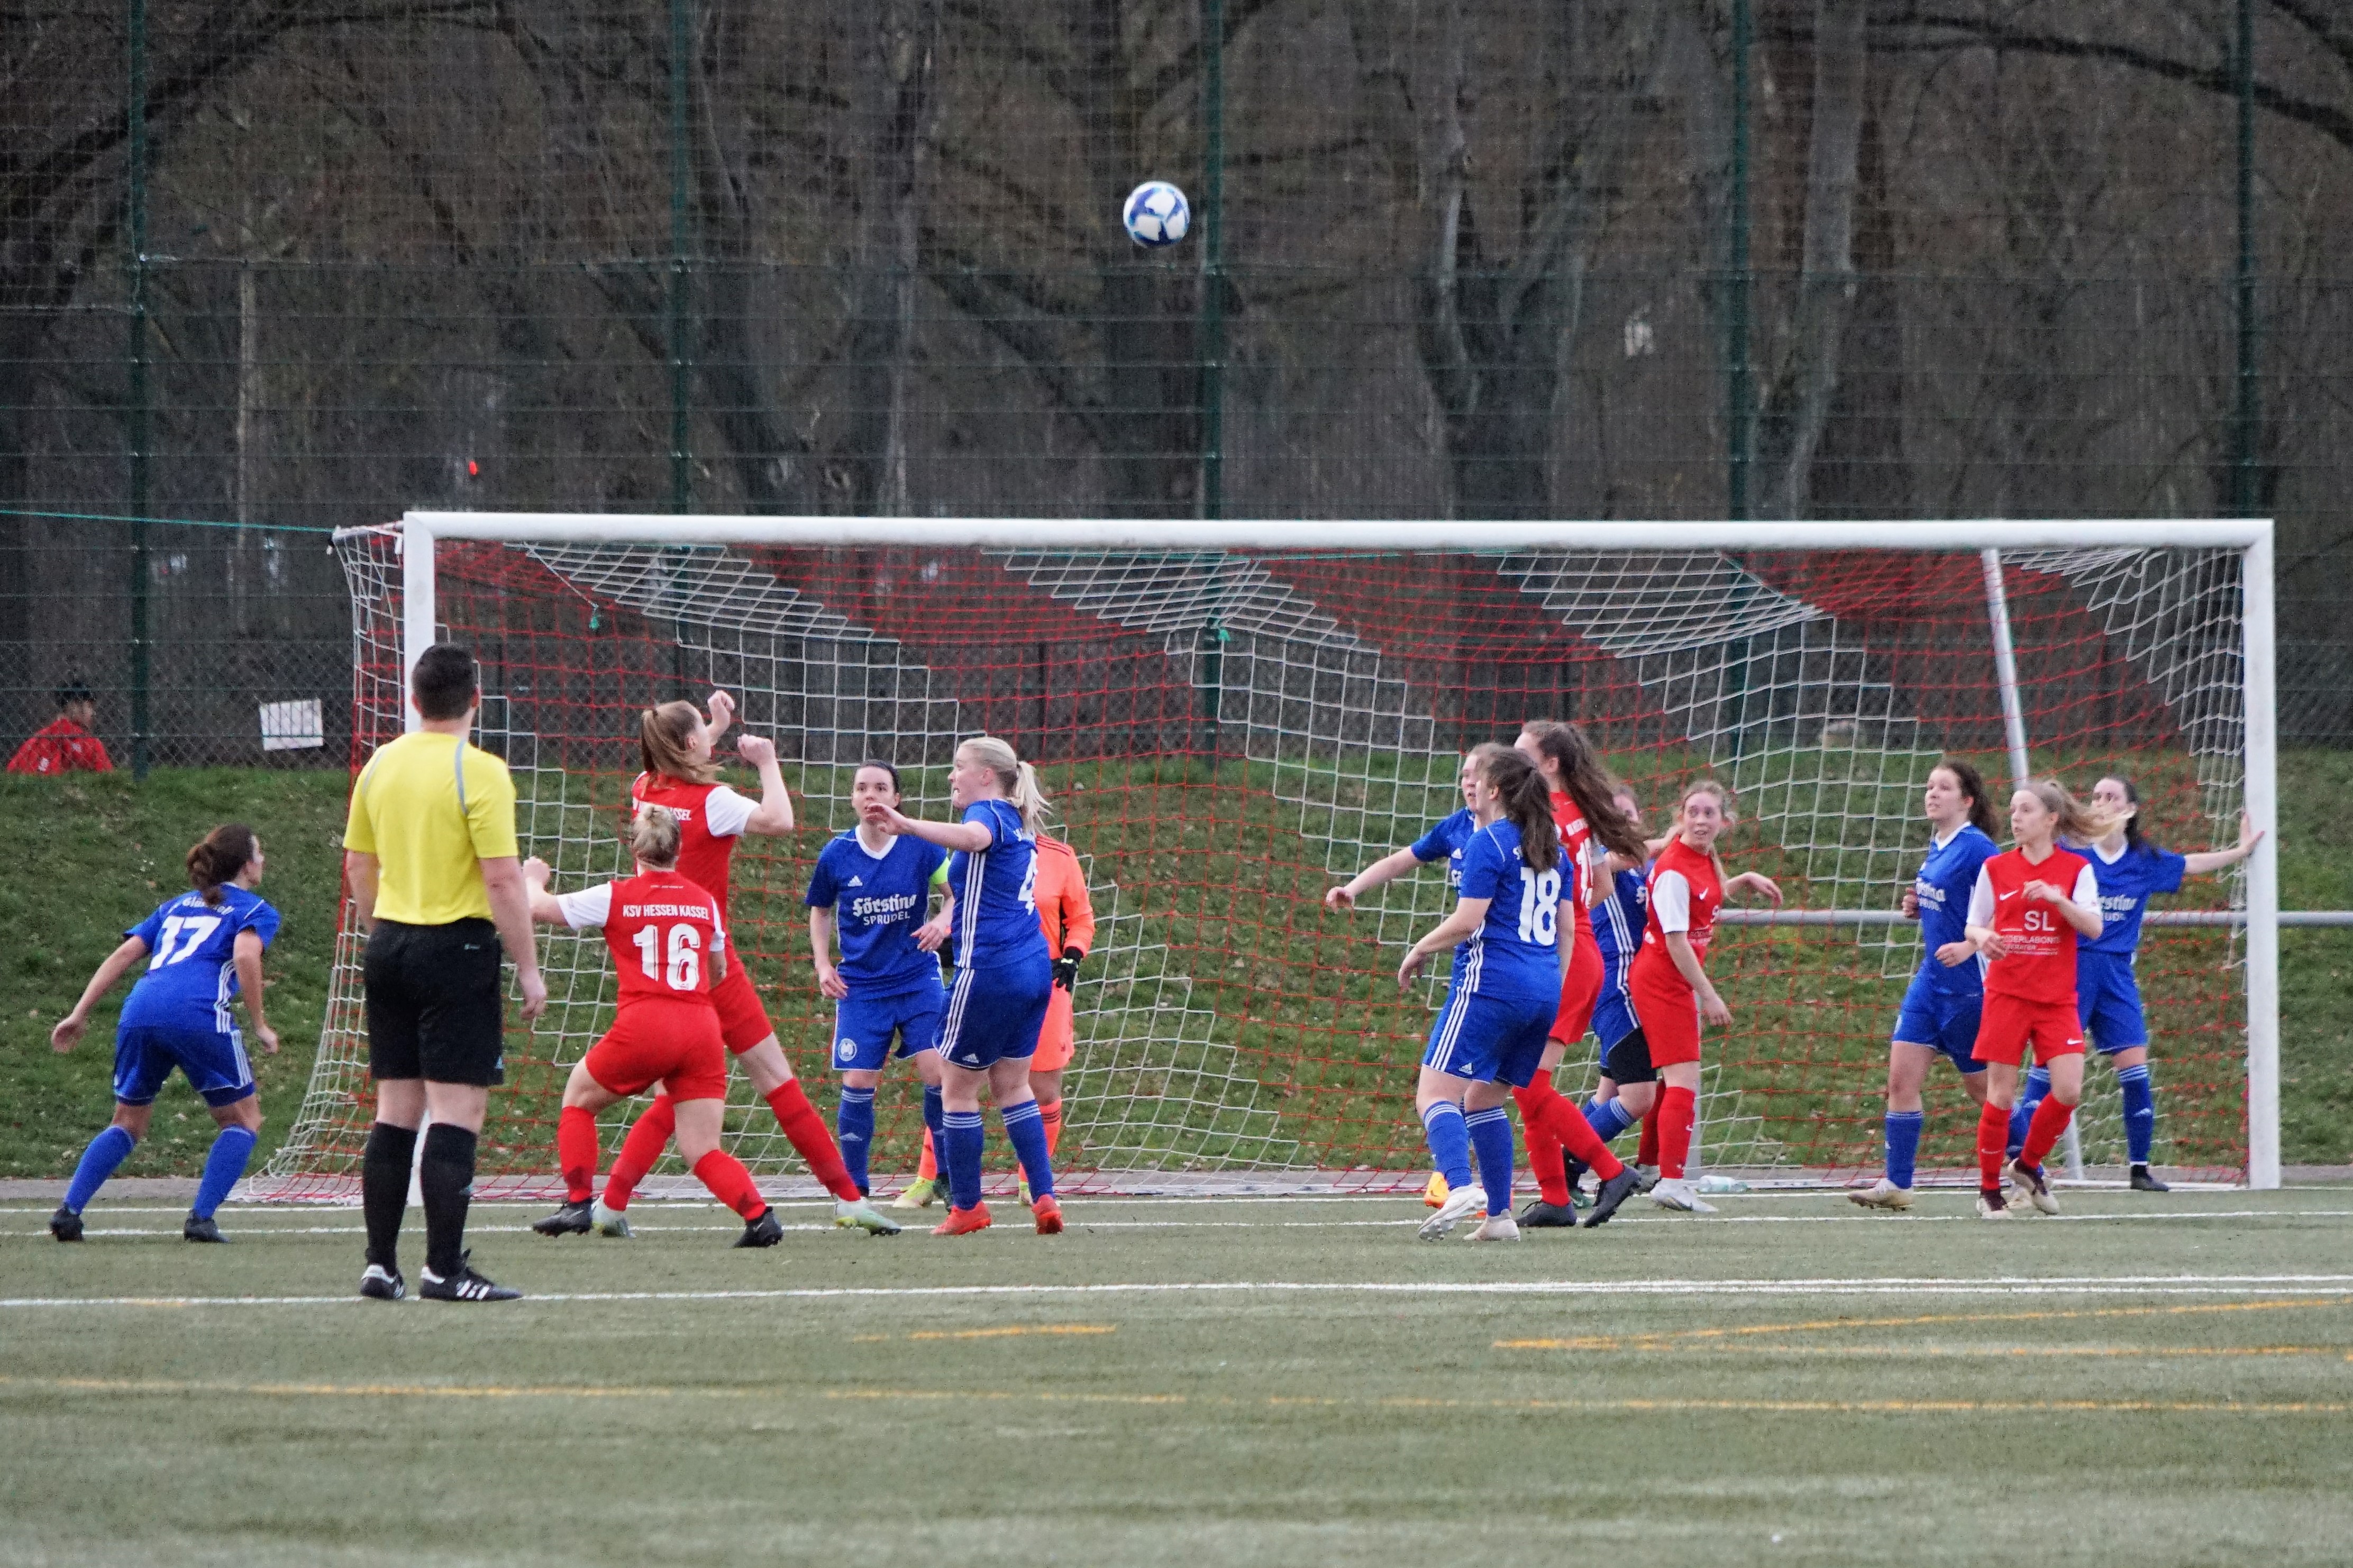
<point x="1227" y="734"/>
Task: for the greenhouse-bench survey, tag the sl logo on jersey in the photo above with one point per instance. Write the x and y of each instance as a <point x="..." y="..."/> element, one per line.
<point x="846" y="1048"/>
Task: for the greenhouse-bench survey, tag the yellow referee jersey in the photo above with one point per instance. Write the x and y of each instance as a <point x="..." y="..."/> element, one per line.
<point x="429" y="808"/>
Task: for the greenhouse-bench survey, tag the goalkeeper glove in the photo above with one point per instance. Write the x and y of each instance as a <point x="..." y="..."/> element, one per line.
<point x="1066" y="968"/>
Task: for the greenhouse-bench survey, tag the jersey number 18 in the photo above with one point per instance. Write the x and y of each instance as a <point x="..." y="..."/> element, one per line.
<point x="1539" y="907"/>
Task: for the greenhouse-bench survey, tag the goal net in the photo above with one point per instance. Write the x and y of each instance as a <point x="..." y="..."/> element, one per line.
<point x="1227" y="732"/>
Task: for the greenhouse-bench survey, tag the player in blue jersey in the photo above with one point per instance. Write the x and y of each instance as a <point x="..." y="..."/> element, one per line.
<point x="204" y="950"/>
<point x="1504" y="991"/>
<point x="874" y="890"/>
<point x="1940" y="1010"/>
<point x="2107" y="994"/>
<point x="1442" y="840"/>
<point x="1003" y="976"/>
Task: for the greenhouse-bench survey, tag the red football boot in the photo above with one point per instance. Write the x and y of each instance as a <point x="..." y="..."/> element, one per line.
<point x="963" y="1222"/>
<point x="1049" y="1215"/>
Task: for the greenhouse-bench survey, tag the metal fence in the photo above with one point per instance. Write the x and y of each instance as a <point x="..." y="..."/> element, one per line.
<point x="283" y="267"/>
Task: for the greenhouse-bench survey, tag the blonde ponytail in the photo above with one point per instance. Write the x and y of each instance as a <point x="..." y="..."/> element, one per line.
<point x="2077" y="822"/>
<point x="1016" y="778"/>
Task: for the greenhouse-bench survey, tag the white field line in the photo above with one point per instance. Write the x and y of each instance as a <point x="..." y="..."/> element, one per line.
<point x="253" y="1222"/>
<point x="2246" y="1285"/>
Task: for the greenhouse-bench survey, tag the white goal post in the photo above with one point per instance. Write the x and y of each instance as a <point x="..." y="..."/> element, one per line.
<point x="2249" y="539"/>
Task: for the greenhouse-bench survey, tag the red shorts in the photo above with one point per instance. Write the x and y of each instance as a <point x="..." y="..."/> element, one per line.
<point x="674" y="1044"/>
<point x="743" y="1022"/>
<point x="1059" y="1038"/>
<point x="1667" y="1005"/>
<point x="2009" y="1024"/>
<point x="1580" y="988"/>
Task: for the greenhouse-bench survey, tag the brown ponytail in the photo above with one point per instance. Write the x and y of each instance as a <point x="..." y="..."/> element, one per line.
<point x="661" y="743"/>
<point x="1972" y="785"/>
<point x="1527" y="801"/>
<point x="218" y="857"/>
<point x="1590" y="786"/>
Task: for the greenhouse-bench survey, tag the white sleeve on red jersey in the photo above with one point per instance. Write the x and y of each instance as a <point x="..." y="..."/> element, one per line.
<point x="1671" y="899"/>
<point x="1981" y="900"/>
<point x="726" y="814"/>
<point x="2086" y="895"/>
<point x="589" y="908"/>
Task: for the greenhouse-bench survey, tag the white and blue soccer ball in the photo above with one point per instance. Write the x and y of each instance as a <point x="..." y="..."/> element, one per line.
<point x="1156" y="213"/>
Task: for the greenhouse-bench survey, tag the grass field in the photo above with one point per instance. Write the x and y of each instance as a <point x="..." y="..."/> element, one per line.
<point x="2146" y="1382"/>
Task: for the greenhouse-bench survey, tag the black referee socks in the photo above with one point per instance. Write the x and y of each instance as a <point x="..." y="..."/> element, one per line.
<point x="384" y="1189"/>
<point x="446" y="1176"/>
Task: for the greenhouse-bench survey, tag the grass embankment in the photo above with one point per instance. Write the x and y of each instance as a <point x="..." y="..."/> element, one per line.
<point x="1303" y="1004"/>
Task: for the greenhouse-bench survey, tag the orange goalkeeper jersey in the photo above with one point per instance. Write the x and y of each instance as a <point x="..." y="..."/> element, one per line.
<point x="1064" y="913"/>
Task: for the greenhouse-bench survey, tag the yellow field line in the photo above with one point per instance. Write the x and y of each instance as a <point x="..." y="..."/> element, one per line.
<point x="1272" y="1402"/>
<point x="1664" y="1340"/>
<point x="1008" y="1332"/>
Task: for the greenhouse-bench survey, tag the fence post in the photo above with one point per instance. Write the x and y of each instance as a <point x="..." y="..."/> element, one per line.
<point x="681" y="474"/>
<point x="1213" y="277"/>
<point x="134" y="111"/>
<point x="1739" y="395"/>
<point x="2246" y="433"/>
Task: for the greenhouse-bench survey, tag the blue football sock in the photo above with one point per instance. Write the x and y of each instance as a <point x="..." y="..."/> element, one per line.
<point x="1608" y="1118"/>
<point x="2140" y="1113"/>
<point x="1450" y="1142"/>
<point x="106" y="1151"/>
<point x="1903" y="1146"/>
<point x="2029" y="1095"/>
<point x="959" y="1154"/>
<point x="223" y="1166"/>
<point x="936" y="1111"/>
<point x="853" y="1126"/>
<point x="1491" y="1136"/>
<point x="1025" y="1129"/>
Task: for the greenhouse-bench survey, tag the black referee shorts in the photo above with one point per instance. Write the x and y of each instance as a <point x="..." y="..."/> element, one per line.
<point x="436" y="1008"/>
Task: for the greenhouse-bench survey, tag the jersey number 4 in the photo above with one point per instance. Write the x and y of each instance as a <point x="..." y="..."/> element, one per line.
<point x="1539" y="907"/>
<point x="683" y="971"/>
<point x="195" y="928"/>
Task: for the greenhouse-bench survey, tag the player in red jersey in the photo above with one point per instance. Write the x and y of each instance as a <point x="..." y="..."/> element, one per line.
<point x="668" y="939"/>
<point x="676" y="746"/>
<point x="1669" y="978"/>
<point x="2025" y="914"/>
<point x="66" y="745"/>
<point x="1584" y="808"/>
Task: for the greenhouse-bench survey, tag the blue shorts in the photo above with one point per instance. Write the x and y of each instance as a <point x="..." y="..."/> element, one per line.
<point x="214" y="1063"/>
<point x="1491" y="1038"/>
<point x="1613" y="1015"/>
<point x="1944" y="1019"/>
<point x="2107" y="1001"/>
<point x="862" y="1026"/>
<point x="995" y="1010"/>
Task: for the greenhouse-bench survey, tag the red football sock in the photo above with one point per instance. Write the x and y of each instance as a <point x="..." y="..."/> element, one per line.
<point x="1552" y="1115"/>
<point x="1050" y="1111"/>
<point x="2051" y="1119"/>
<point x="575" y="1153"/>
<point x="1646" y="1151"/>
<point x="927" y="1169"/>
<point x="1678" y="1109"/>
<point x="1544" y="1163"/>
<point x="807" y="1131"/>
<point x="1993" y="1144"/>
<point x="640" y="1150"/>
<point x="731" y="1183"/>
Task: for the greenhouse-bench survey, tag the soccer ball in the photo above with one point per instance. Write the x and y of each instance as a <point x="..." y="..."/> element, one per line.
<point x="1156" y="213"/>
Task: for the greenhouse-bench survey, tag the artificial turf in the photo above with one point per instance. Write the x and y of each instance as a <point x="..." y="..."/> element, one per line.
<point x="2149" y="1381"/>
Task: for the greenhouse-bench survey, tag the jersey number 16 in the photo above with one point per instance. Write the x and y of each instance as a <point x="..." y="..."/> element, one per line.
<point x="685" y="966"/>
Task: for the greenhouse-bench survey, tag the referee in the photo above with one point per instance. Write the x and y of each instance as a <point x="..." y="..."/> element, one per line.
<point x="430" y="854"/>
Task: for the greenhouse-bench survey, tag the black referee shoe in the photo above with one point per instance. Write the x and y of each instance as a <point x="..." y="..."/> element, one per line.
<point x="2144" y="1182"/>
<point x="572" y="1219"/>
<point x="762" y="1232"/>
<point x="1542" y="1215"/>
<point x="65" y="1225"/>
<point x="466" y="1285"/>
<point x="200" y="1228"/>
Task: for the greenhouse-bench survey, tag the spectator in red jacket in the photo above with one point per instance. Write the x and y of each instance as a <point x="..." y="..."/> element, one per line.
<point x="66" y="746"/>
